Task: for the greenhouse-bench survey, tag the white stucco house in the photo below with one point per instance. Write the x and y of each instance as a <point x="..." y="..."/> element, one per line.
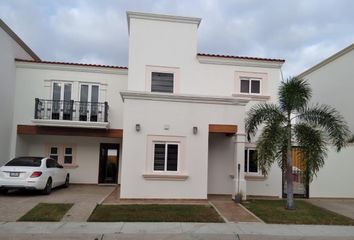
<point x="332" y="81"/>
<point x="168" y="126"/>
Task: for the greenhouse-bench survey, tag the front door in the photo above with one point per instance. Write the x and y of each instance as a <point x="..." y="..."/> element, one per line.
<point x="108" y="169"/>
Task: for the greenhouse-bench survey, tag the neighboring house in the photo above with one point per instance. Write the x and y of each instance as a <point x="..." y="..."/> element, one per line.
<point x="332" y="81"/>
<point x="11" y="47"/>
<point x="170" y="126"/>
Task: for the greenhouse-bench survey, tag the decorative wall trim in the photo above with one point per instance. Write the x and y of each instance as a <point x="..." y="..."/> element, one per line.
<point x="64" y="123"/>
<point x="184" y="98"/>
<point x="253" y="97"/>
<point x="166" y="177"/>
<point x="65" y="131"/>
<point x="161" y="17"/>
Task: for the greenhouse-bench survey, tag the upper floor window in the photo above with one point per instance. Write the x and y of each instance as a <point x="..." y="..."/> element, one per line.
<point x="251" y="161"/>
<point x="162" y="82"/>
<point x="165" y="156"/>
<point x="250" y="86"/>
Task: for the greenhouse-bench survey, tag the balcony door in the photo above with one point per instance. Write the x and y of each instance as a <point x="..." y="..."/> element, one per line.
<point x="62" y="106"/>
<point x="89" y="95"/>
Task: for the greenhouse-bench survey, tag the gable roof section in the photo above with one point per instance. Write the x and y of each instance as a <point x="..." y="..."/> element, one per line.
<point x="18" y="40"/>
<point x="327" y="60"/>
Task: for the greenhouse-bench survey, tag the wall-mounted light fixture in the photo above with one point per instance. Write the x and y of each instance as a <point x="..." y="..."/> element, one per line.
<point x="137" y="127"/>
<point x="195" y="130"/>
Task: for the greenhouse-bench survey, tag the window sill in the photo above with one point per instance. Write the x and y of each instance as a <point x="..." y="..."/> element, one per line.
<point x="165" y="177"/>
<point x="254" y="97"/>
<point x="255" y="177"/>
<point x="71" y="166"/>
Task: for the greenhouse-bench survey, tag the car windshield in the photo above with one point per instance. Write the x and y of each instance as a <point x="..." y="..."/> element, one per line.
<point x="25" y="162"/>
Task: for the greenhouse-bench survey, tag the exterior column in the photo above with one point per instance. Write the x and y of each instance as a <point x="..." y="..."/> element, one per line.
<point x="239" y="162"/>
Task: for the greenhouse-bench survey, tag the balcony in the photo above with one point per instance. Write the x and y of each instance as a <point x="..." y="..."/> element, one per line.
<point x="70" y="113"/>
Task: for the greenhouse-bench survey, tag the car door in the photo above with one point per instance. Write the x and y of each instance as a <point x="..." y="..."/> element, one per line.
<point x="61" y="174"/>
<point x="51" y="170"/>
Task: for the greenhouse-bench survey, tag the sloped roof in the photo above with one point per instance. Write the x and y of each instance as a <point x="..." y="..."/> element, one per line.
<point x="240" y="57"/>
<point x="71" y="63"/>
<point x="327" y="60"/>
<point x="18" y="40"/>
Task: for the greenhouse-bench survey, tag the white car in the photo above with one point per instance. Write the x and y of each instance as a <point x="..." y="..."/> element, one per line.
<point x="35" y="173"/>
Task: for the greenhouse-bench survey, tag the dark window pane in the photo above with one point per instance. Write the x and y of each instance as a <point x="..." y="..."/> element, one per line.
<point x="51" y="163"/>
<point x="56" y="91"/>
<point x="25" y="162"/>
<point x="94" y="93"/>
<point x="159" y="157"/>
<point x="255" y="86"/>
<point x="55" y="157"/>
<point x="68" y="151"/>
<point x="253" y="162"/>
<point x="245" y="87"/>
<point x="162" y="82"/>
<point x="67" y="92"/>
<point x="68" y="159"/>
<point x="84" y="93"/>
<point x="246" y="157"/>
<point x="172" y="157"/>
<point x="54" y="150"/>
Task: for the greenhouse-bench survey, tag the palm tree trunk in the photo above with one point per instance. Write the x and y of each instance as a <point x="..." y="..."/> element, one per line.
<point x="289" y="172"/>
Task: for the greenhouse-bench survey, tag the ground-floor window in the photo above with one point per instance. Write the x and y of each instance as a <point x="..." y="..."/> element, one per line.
<point x="61" y="153"/>
<point x="251" y="161"/>
<point x="165" y="156"/>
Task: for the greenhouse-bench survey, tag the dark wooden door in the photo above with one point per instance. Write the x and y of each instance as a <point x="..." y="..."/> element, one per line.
<point x="109" y="163"/>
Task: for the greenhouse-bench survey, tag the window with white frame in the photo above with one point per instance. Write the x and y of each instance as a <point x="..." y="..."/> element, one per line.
<point x="63" y="154"/>
<point x="165" y="156"/>
<point x="162" y="82"/>
<point x="54" y="153"/>
<point x="251" y="161"/>
<point x="250" y="86"/>
<point x="68" y="155"/>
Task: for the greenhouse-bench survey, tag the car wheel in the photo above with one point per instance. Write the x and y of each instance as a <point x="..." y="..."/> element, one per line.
<point x="48" y="187"/>
<point x="67" y="180"/>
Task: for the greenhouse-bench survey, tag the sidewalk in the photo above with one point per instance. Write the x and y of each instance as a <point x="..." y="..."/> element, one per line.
<point x="232" y="229"/>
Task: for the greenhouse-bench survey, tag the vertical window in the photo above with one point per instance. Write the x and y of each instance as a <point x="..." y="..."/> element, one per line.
<point x="162" y="82"/>
<point x="54" y="153"/>
<point x="89" y="96"/>
<point x="251" y="161"/>
<point x="250" y="86"/>
<point x="166" y="157"/>
<point x="68" y="155"/>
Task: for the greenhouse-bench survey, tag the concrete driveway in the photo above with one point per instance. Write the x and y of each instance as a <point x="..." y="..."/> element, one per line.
<point x="342" y="206"/>
<point x="85" y="197"/>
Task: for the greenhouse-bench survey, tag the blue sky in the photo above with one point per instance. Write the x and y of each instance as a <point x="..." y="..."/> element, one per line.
<point x="302" y="32"/>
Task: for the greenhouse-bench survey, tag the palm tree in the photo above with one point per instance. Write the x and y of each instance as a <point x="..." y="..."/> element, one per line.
<point x="294" y="121"/>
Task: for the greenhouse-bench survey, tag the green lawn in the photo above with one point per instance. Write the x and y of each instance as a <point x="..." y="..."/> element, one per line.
<point x="154" y="213"/>
<point x="273" y="211"/>
<point x="46" y="212"/>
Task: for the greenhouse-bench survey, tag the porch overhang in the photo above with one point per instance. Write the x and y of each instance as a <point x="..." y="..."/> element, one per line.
<point x="228" y="129"/>
<point x="66" y="131"/>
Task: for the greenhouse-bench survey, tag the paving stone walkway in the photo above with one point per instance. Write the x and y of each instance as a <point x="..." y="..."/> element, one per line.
<point x="231" y="211"/>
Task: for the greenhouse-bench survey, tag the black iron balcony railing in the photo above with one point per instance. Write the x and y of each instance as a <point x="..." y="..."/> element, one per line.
<point x="71" y="110"/>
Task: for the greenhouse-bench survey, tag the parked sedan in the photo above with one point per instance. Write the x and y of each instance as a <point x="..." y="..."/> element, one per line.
<point x="35" y="173"/>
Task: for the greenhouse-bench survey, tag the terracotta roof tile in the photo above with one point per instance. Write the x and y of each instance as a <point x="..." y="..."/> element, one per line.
<point x="240" y="57"/>
<point x="73" y="64"/>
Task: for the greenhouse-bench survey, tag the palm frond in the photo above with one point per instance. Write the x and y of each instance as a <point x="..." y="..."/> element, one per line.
<point x="270" y="145"/>
<point x="330" y="120"/>
<point x="313" y="148"/>
<point x="351" y="139"/>
<point x="261" y="113"/>
<point x="294" y="94"/>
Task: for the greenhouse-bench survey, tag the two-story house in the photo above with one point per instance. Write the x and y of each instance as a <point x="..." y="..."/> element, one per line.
<point x="171" y="125"/>
<point x="332" y="81"/>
